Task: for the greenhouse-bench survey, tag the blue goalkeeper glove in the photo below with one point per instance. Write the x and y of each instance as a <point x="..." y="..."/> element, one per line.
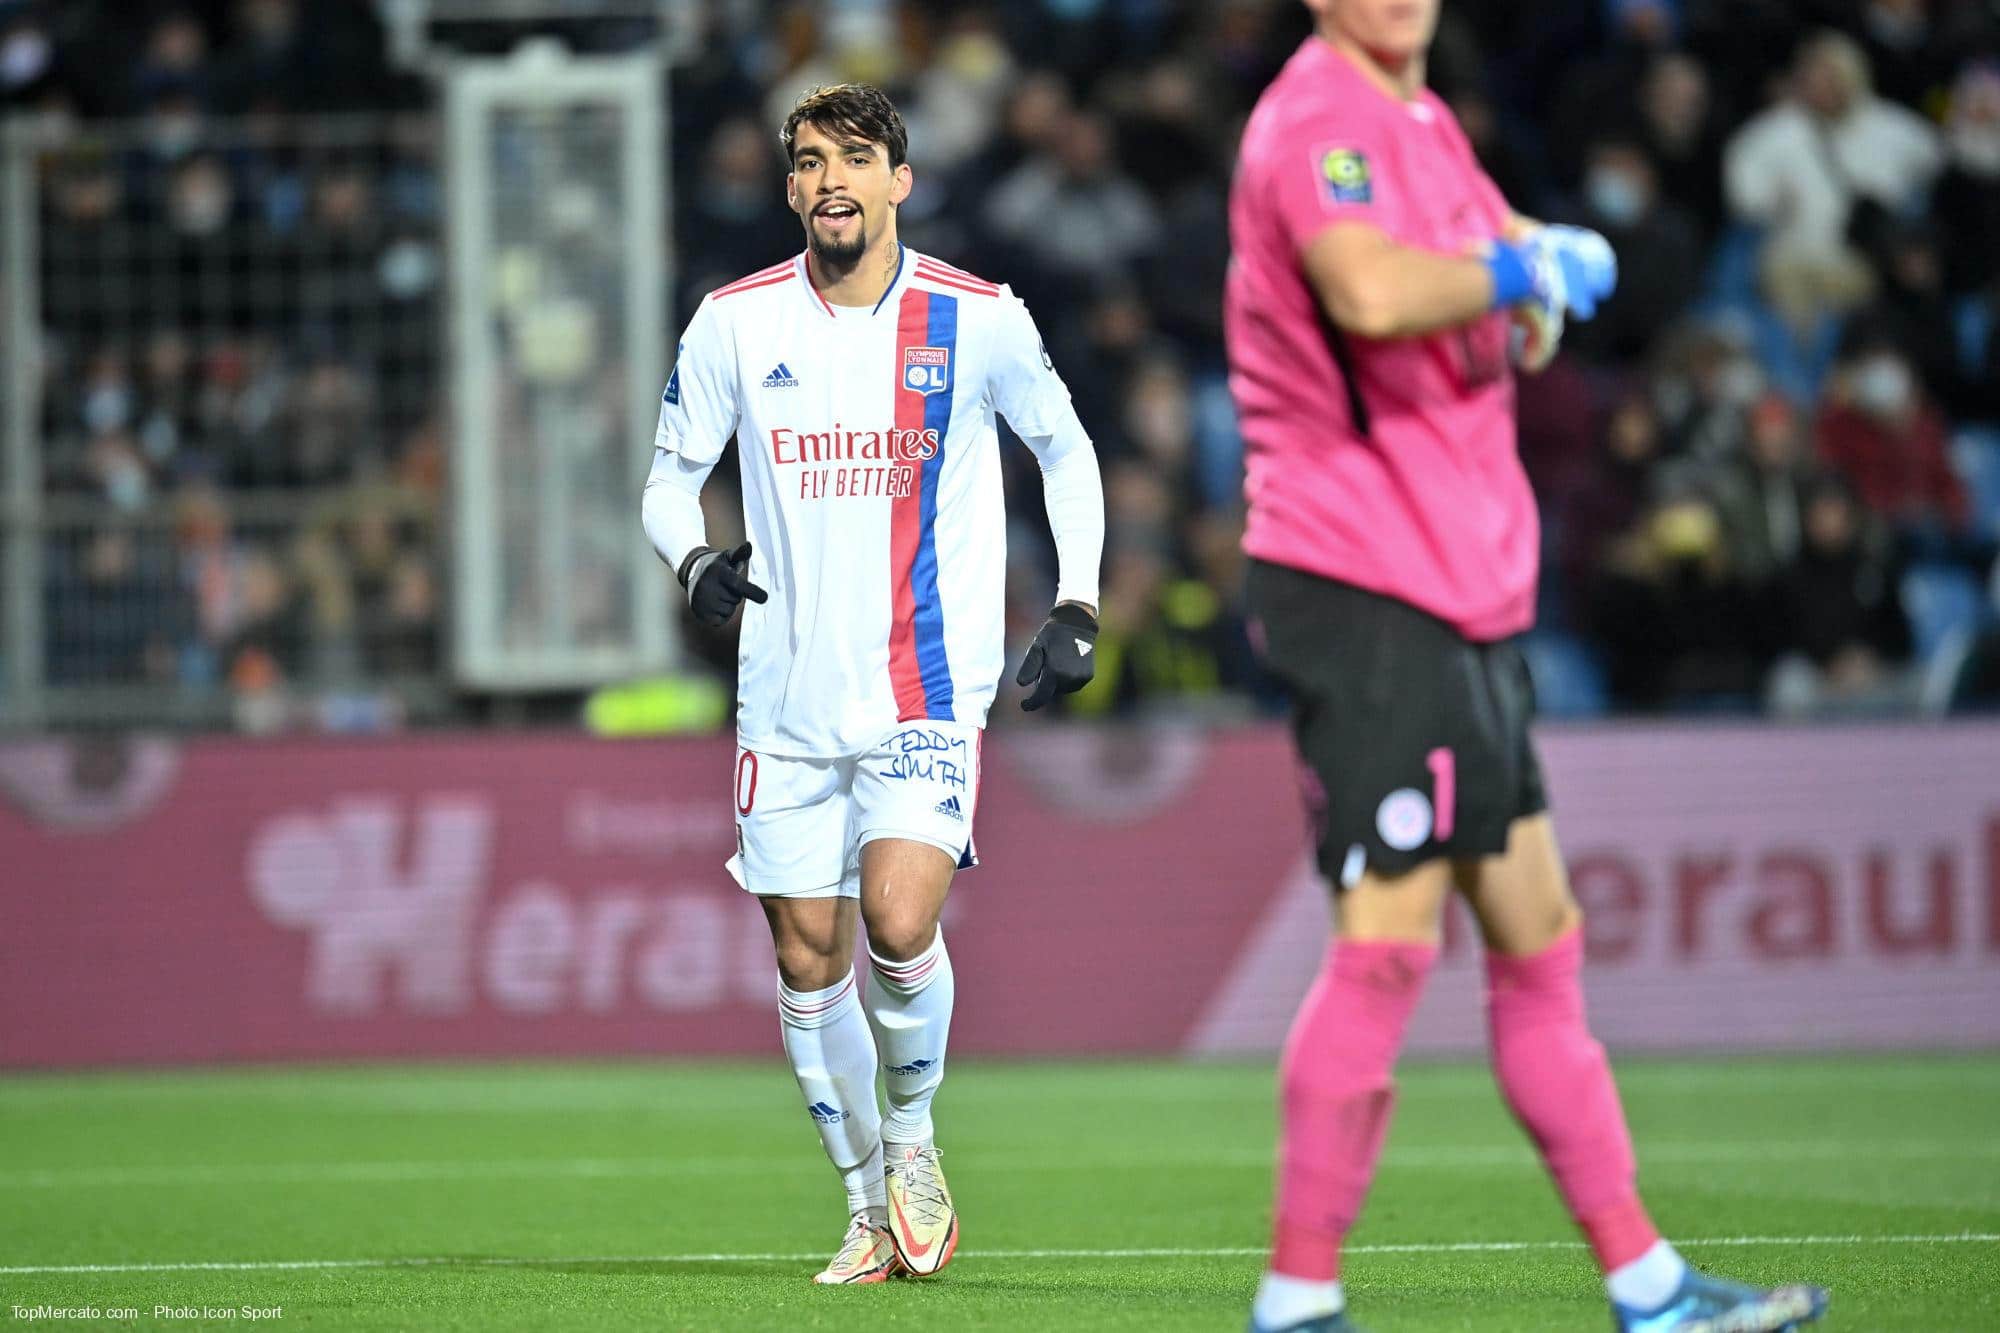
<point x="1555" y="272"/>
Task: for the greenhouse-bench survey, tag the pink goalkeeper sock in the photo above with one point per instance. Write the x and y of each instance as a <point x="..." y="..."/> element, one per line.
<point x="1337" y="1096"/>
<point x="1555" y="1077"/>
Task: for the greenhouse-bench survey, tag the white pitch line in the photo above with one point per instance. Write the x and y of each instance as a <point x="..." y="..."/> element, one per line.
<point x="611" y="1168"/>
<point x="1238" y="1251"/>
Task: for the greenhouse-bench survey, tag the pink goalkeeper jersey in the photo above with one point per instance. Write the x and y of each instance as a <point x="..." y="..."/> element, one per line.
<point x="1390" y="464"/>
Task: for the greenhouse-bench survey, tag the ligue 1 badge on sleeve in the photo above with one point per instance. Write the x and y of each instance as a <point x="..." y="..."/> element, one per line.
<point x="672" y="396"/>
<point x="927" y="370"/>
<point x="1344" y="174"/>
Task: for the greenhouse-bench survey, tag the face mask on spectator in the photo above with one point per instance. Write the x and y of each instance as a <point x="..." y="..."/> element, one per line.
<point x="106" y="408"/>
<point x="175" y="133"/>
<point x="1615" y="196"/>
<point x="1741" y="383"/>
<point x="1976" y="148"/>
<point x="24" y="57"/>
<point x="1883" y="387"/>
<point x="126" y="486"/>
<point x="200" y="207"/>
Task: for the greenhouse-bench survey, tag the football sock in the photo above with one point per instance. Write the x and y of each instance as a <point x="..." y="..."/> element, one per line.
<point x="833" y="1057"/>
<point x="1283" y="1301"/>
<point x="910" y="1005"/>
<point x="1555" y="1077"/>
<point x="1337" y="1096"/>
<point x="1650" y="1281"/>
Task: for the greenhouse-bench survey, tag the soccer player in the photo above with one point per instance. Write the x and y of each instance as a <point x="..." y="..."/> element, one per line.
<point x="1393" y="537"/>
<point x="860" y="379"/>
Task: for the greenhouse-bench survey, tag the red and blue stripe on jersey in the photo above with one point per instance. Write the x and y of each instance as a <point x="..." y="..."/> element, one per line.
<point x="919" y="668"/>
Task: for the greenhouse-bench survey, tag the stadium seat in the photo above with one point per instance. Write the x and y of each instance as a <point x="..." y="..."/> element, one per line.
<point x="1942" y="601"/>
<point x="1975" y="456"/>
<point x="1569" y="681"/>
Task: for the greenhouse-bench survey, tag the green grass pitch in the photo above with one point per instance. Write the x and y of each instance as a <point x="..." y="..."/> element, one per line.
<point x="1099" y="1195"/>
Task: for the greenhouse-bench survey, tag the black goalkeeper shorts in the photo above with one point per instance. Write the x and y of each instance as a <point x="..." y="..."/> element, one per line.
<point x="1414" y="738"/>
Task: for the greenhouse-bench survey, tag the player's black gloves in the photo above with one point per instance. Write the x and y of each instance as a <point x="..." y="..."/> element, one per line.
<point x="1060" y="660"/>
<point x="715" y="583"/>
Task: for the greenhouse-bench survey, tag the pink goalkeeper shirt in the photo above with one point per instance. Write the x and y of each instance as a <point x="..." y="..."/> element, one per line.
<point x="1387" y="464"/>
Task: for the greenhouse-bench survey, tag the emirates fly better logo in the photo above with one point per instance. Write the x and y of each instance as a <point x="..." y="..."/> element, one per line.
<point x="839" y="463"/>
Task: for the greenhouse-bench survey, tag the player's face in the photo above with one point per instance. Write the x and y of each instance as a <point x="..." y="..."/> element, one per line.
<point x="843" y="191"/>
<point x="1401" y="29"/>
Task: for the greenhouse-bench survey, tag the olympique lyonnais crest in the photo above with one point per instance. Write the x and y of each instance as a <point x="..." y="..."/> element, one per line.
<point x="927" y="370"/>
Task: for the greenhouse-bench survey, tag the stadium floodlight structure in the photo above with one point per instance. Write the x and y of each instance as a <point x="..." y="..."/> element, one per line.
<point x="413" y="25"/>
<point x="556" y="225"/>
<point x="20" y="462"/>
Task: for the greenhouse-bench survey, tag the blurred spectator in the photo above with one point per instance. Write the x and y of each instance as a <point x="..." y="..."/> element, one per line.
<point x="1587" y="512"/>
<point x="1904" y="45"/>
<point x="1839" y="619"/>
<point x="736" y="221"/>
<point x="1600" y="92"/>
<point x="1914" y="312"/>
<point x="1817" y="169"/>
<point x="960" y="93"/>
<point x="263" y="647"/>
<point x="1707" y="378"/>
<point x="113" y="612"/>
<point x="1968" y="198"/>
<point x="1070" y="212"/>
<point x="1621" y="198"/>
<point x="1679" y="125"/>
<point x="1760" y="493"/>
<point x="1881" y="433"/>
<point x="1678" y="627"/>
<point x="174" y="59"/>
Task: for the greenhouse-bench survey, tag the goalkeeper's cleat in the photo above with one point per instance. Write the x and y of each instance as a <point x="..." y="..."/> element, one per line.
<point x="1707" y="1304"/>
<point x="922" y="1222"/>
<point x="866" y="1255"/>
<point x="1336" y="1322"/>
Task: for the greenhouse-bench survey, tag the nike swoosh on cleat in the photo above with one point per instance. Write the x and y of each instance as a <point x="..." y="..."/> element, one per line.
<point x="915" y="1250"/>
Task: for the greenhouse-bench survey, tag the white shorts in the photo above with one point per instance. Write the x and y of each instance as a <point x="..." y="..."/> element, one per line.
<point x="801" y="822"/>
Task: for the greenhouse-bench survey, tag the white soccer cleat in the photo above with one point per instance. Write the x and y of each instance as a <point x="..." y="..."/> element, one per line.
<point x="866" y="1255"/>
<point x="922" y="1222"/>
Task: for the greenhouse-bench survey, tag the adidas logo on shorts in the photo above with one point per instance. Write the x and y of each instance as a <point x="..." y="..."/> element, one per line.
<point x="949" y="806"/>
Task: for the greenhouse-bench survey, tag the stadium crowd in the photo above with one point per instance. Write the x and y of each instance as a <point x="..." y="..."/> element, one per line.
<point x="1769" y="472"/>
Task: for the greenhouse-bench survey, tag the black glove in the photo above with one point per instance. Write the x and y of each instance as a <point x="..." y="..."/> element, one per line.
<point x="715" y="583"/>
<point x="1060" y="661"/>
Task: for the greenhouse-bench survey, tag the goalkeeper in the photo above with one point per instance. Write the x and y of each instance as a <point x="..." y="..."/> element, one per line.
<point x="1380" y="296"/>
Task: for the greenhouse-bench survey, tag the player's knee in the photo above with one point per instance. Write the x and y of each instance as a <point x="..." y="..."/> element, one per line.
<point x="805" y="964"/>
<point x="899" y="936"/>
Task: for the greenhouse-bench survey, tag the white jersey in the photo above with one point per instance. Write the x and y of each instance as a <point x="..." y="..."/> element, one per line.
<point x="871" y="489"/>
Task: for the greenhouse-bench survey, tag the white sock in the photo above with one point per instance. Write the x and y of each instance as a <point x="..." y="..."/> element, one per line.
<point x="833" y="1057"/>
<point x="909" y="1004"/>
<point x="1648" y="1281"/>
<point x="1283" y="1301"/>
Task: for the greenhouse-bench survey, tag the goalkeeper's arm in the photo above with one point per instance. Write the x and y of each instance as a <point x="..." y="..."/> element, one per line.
<point x="1374" y="287"/>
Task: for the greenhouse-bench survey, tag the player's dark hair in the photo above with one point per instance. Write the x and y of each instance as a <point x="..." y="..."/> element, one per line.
<point x="850" y="113"/>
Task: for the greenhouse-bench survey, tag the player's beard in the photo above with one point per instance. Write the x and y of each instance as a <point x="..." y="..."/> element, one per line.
<point x="838" y="257"/>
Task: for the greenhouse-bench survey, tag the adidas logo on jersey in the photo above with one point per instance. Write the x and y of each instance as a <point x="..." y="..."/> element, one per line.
<point x="781" y="377"/>
<point x="949" y="806"/>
